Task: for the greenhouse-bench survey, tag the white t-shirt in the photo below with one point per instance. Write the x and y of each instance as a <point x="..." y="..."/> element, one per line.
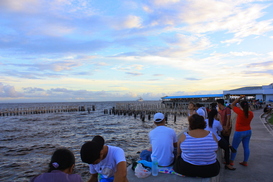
<point x="108" y="166"/>
<point x="162" y="139"/>
<point x="216" y="128"/>
<point x="201" y="112"/>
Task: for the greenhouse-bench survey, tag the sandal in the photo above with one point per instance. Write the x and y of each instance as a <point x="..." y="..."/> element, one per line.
<point x="243" y="163"/>
<point x="232" y="169"/>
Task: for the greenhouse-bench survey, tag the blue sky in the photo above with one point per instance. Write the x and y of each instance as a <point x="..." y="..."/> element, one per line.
<point x="93" y="50"/>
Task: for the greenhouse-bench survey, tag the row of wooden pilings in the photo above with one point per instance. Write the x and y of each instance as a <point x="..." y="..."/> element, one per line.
<point x="144" y="110"/>
<point x="41" y="110"/>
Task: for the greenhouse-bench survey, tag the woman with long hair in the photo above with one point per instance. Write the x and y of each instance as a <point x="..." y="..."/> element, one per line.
<point x="215" y="126"/>
<point x="61" y="168"/>
<point x="242" y="128"/>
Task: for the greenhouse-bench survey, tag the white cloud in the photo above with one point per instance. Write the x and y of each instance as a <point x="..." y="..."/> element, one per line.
<point x="164" y="2"/>
<point x="8" y="91"/>
<point x="26" y="6"/>
<point x="130" y="21"/>
<point x="243" y="53"/>
<point x="232" y="41"/>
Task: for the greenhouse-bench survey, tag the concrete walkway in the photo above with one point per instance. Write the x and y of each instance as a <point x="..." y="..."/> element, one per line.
<point x="260" y="164"/>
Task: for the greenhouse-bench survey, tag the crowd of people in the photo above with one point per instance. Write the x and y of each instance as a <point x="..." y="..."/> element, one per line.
<point x="193" y="153"/>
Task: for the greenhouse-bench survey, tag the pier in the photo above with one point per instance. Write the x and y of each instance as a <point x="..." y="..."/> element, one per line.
<point x="41" y="110"/>
<point x="146" y="110"/>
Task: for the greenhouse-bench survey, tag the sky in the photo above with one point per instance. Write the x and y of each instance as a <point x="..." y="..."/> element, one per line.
<point x="117" y="50"/>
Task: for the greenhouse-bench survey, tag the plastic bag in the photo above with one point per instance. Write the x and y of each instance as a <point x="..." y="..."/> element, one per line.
<point x="141" y="172"/>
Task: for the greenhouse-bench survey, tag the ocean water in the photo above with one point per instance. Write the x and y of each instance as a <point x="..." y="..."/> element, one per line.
<point x="28" y="141"/>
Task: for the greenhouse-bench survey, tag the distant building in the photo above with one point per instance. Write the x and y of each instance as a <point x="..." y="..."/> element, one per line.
<point x="264" y="93"/>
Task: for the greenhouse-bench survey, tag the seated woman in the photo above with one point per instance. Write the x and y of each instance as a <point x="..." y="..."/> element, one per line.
<point x="196" y="151"/>
<point x="61" y="168"/>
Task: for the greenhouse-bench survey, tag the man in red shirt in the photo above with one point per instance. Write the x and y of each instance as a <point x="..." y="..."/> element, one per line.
<point x="225" y="115"/>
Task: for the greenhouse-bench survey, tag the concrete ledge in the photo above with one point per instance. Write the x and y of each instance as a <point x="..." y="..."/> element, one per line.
<point x="172" y="177"/>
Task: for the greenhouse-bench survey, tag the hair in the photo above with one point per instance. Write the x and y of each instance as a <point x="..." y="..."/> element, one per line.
<point x="197" y="122"/>
<point x="198" y="105"/>
<point x="90" y="150"/>
<point x="211" y="116"/>
<point x="245" y="106"/>
<point x="213" y="105"/>
<point x="220" y="101"/>
<point x="64" y="157"/>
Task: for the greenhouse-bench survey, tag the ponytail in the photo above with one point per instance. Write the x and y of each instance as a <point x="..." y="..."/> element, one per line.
<point x="245" y="106"/>
<point x="211" y="116"/>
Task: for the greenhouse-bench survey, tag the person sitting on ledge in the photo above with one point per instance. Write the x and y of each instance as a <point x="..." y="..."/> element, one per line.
<point x="106" y="163"/>
<point x="61" y="168"/>
<point x="196" y="151"/>
<point x="163" y="141"/>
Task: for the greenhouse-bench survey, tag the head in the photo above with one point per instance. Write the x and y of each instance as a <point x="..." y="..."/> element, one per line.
<point x="91" y="151"/>
<point x="213" y="105"/>
<point x="220" y="102"/>
<point x="159" y="118"/>
<point x="191" y="105"/>
<point x="244" y="105"/>
<point x="62" y="159"/>
<point x="197" y="105"/>
<point x="196" y="122"/>
<point x="211" y="116"/>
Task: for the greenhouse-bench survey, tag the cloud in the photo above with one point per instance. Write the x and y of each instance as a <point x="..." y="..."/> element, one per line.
<point x="25" y="6"/>
<point x="244" y="53"/>
<point x="9" y="91"/>
<point x="134" y="73"/>
<point x="30" y="90"/>
<point x="267" y="64"/>
<point x="192" y="79"/>
<point x="157" y="75"/>
<point x="232" y="41"/>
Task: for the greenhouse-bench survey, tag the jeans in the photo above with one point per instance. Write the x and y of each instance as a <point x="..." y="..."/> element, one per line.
<point x="244" y="137"/>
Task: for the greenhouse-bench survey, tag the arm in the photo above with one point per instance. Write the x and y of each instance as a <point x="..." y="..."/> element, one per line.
<point x="214" y="137"/>
<point x="228" y="121"/>
<point x="121" y="173"/>
<point x="93" y="178"/>
<point x="233" y="104"/>
<point x="181" y="139"/>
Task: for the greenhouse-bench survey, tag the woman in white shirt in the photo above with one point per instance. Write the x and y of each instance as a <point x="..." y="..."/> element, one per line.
<point x="215" y="126"/>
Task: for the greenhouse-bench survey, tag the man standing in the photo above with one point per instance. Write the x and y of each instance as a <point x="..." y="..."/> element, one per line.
<point x="163" y="141"/>
<point x="225" y="115"/>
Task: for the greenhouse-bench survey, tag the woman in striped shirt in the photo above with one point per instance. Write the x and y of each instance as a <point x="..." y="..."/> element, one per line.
<point x="197" y="151"/>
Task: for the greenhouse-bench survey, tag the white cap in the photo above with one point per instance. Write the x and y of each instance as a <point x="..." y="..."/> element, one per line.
<point x="158" y="117"/>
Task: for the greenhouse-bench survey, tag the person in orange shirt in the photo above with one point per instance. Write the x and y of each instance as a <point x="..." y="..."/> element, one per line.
<point x="242" y="128"/>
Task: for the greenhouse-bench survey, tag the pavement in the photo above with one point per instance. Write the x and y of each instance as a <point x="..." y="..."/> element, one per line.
<point x="260" y="164"/>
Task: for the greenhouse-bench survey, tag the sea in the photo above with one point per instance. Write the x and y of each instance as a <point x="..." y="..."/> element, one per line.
<point x="28" y="141"/>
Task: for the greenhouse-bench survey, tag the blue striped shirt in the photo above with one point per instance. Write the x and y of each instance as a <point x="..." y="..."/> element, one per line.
<point x="199" y="151"/>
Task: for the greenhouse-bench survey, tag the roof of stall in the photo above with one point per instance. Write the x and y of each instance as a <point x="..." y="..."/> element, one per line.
<point x="193" y="96"/>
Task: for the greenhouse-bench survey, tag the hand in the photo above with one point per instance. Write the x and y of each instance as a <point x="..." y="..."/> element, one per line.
<point x="241" y="96"/>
